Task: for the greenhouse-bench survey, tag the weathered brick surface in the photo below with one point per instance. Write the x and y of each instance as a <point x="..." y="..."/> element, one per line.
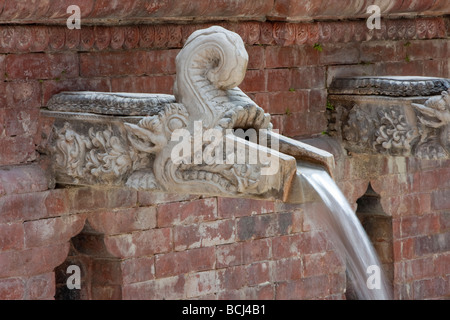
<point x="12" y="289"/>
<point x="107" y="64"/>
<point x="32" y="261"/>
<point x="46" y="232"/>
<point x="117" y="221"/>
<point x="187" y="212"/>
<point x="301" y="124"/>
<point x="31" y="206"/>
<point x="148" y="198"/>
<point x="419" y="229"/>
<point x="142" y="243"/>
<point x="305" y="288"/>
<point x="263" y="226"/>
<point x="204" y="235"/>
<point x="254" y="81"/>
<point x="40" y="287"/>
<point x="220" y="267"/>
<point x="138" y="270"/>
<point x="137" y="63"/>
<point x="235" y="207"/>
<point x="17" y="150"/>
<point x="146" y="84"/>
<point x="222" y="248"/>
<point x="85" y="199"/>
<point x="284" y="102"/>
<point x="11" y="236"/>
<point x="169" y="288"/>
<point x="175" y="263"/>
<point x="23" y="179"/>
<point x="36" y="66"/>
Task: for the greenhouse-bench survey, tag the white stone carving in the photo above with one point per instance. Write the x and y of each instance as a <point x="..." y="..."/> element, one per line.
<point x="437" y="109"/>
<point x="434" y="127"/>
<point x="211" y="65"/>
<point x="393" y="134"/>
<point x="209" y="68"/>
<point x="152" y="133"/>
<point x="128" y="139"/>
<point x="394" y="125"/>
<point x="99" y="156"/>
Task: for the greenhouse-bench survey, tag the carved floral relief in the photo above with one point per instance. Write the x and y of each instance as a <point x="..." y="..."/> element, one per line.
<point x="403" y="129"/>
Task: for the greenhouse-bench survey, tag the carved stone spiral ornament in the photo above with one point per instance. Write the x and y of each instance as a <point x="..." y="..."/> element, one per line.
<point x="209" y="69"/>
<point x="184" y="143"/>
<point x="212" y="63"/>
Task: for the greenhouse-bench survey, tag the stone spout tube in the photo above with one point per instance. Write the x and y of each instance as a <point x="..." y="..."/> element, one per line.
<point x="208" y="138"/>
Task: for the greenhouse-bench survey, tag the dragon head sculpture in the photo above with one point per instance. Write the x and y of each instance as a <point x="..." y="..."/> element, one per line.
<point x="209" y="138"/>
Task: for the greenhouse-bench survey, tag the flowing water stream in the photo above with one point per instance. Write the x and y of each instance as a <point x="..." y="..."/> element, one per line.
<point x="347" y="234"/>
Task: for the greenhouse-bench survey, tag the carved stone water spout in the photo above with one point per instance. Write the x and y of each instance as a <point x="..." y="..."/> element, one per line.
<point x="148" y="141"/>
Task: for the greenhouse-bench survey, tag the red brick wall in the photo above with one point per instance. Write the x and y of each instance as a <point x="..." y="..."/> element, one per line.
<point x="174" y="246"/>
<point x="164" y="246"/>
<point x="414" y="193"/>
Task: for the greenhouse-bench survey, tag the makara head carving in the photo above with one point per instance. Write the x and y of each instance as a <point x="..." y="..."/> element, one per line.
<point x="209" y="138"/>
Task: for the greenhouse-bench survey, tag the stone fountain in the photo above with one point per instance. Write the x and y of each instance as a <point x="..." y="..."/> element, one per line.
<point x="210" y="138"/>
<point x="188" y="142"/>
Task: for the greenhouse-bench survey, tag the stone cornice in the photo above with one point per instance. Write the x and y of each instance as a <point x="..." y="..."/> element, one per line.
<point x="389" y="86"/>
<point x="39" y="38"/>
<point x="96" y="12"/>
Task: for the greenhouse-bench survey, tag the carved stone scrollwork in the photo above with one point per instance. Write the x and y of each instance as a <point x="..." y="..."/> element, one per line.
<point x="389" y="86"/>
<point x="393" y="134"/>
<point x="358" y="127"/>
<point x="417" y="125"/>
<point x="110" y="153"/>
<point x="434" y="127"/>
<point x="184" y="143"/>
<point x="100" y="156"/>
<point x="209" y="68"/>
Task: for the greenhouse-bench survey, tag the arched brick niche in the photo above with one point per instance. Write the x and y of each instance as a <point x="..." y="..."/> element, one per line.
<point x="100" y="272"/>
<point x="162" y="246"/>
<point x="34" y="237"/>
<point x="409" y="196"/>
<point x="378" y="226"/>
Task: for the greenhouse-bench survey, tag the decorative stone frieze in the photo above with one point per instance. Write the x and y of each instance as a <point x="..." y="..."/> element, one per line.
<point x="406" y="116"/>
<point x="39" y="38"/>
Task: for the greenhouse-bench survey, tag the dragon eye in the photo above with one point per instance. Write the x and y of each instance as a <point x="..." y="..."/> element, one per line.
<point x="175" y="123"/>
